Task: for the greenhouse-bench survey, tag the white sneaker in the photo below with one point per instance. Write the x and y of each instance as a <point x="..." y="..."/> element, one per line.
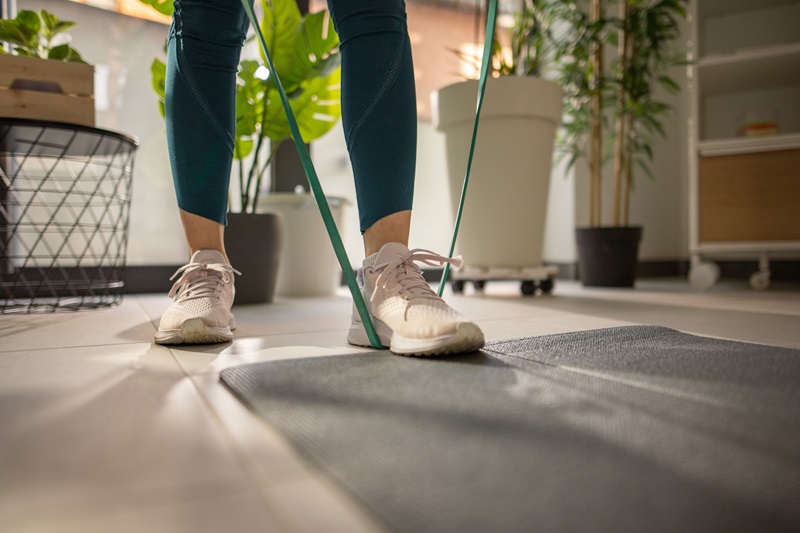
<point x="201" y="312"/>
<point x="409" y="317"/>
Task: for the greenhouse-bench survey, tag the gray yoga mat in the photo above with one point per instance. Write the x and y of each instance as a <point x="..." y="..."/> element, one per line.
<point x="625" y="429"/>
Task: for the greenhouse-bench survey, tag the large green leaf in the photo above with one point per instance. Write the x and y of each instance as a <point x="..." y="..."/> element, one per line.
<point x="65" y="52"/>
<point x="249" y="101"/>
<point x="280" y="25"/>
<point x="317" y="50"/>
<point x="159" y="72"/>
<point x="316" y="106"/>
<point x="53" y="26"/>
<point x="29" y="21"/>
<point x="164" y="7"/>
<point x="11" y="33"/>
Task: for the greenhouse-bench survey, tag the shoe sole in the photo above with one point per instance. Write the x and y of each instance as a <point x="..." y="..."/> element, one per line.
<point x="194" y="331"/>
<point x="467" y="338"/>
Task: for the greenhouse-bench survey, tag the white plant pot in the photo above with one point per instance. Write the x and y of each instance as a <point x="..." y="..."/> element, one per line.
<point x="308" y="264"/>
<point x="506" y="206"/>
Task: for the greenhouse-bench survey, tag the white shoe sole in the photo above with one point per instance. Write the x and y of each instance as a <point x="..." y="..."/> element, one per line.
<point x="193" y="331"/>
<point x="467" y="338"/>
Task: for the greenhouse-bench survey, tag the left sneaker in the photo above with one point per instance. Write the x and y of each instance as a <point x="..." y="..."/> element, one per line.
<point x="409" y="317"/>
<point x="201" y="310"/>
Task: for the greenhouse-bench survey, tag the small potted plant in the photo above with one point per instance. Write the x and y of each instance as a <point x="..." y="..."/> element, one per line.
<point x="643" y="33"/>
<point x="43" y="76"/>
<point x="305" y="53"/>
<point x="510" y="180"/>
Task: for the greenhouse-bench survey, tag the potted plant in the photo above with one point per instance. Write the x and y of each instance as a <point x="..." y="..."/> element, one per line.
<point x="510" y="179"/>
<point x="305" y="53"/>
<point x="643" y="33"/>
<point x="43" y="76"/>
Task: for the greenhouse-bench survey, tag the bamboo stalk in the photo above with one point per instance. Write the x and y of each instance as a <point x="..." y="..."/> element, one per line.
<point x="630" y="52"/>
<point x="596" y="147"/>
<point x="628" y="166"/>
<point x="620" y="137"/>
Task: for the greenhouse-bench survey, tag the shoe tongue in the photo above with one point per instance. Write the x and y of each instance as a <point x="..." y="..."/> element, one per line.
<point x="208" y="256"/>
<point x="389" y="252"/>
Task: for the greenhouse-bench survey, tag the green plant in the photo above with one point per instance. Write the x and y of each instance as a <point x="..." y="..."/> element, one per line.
<point x="530" y="42"/>
<point x="643" y="34"/>
<point x="580" y="63"/>
<point x="647" y="29"/>
<point x="531" y="39"/>
<point x="36" y="34"/>
<point x="305" y="52"/>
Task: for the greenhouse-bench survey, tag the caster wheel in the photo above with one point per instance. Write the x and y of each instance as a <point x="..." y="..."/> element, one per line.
<point x="760" y="280"/>
<point x="479" y="284"/>
<point x="528" y="288"/>
<point x="703" y="275"/>
<point x="546" y="285"/>
<point x="458" y="287"/>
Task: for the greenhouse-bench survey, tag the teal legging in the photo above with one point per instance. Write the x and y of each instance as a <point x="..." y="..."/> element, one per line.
<point x="378" y="102"/>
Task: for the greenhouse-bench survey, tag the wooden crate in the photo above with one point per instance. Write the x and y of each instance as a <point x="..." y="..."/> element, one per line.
<point x="46" y="90"/>
<point x="750" y="197"/>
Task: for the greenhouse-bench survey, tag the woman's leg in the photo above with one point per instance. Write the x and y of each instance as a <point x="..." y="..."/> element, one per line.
<point x="202" y="60"/>
<point x="379" y="114"/>
<point x="205" y="42"/>
<point x="380" y="124"/>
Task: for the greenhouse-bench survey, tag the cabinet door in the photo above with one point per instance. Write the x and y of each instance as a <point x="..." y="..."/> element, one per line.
<point x="750" y="197"/>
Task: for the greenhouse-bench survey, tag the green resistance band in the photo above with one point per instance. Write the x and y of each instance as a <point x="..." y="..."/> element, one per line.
<point x="491" y="17"/>
<point x="316" y="188"/>
<point x="319" y="194"/>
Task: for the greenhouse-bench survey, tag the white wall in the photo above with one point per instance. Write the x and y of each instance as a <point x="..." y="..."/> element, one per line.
<point x="660" y="205"/>
<point x="123" y="48"/>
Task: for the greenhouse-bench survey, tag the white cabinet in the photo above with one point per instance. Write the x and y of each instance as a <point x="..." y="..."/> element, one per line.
<point x="744" y="81"/>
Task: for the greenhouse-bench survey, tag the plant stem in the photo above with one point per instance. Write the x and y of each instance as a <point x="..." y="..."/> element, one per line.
<point x="272" y="152"/>
<point x="236" y="155"/>
<point x="596" y="148"/>
<point x="628" y="178"/>
<point x="255" y="165"/>
<point x="621" y="147"/>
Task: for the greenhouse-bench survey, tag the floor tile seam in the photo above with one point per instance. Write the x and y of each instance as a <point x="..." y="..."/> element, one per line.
<point x="77" y="346"/>
<point x="143" y="309"/>
<point x="247" y="466"/>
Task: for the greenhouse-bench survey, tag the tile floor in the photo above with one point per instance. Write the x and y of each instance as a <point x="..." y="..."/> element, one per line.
<point x="101" y="430"/>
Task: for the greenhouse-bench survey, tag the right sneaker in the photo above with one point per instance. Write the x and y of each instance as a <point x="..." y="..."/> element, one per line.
<point x="203" y="296"/>
<point x="409" y="318"/>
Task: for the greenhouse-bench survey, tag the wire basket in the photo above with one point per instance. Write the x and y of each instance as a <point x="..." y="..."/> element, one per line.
<point x="64" y="211"/>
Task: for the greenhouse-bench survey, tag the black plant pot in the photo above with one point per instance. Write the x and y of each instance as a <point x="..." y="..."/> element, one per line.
<point x="607" y="256"/>
<point x="253" y="243"/>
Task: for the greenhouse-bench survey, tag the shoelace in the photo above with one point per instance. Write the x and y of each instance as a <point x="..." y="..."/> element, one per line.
<point x="199" y="279"/>
<point x="404" y="272"/>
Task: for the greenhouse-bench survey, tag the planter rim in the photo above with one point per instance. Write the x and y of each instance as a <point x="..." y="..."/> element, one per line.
<point x="289" y="198"/>
<point x="608" y="228"/>
<point x="517" y="97"/>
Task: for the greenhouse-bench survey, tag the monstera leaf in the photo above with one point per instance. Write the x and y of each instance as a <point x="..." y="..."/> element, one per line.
<point x="281" y="25"/>
<point x="305" y="52"/>
<point x="315" y="105"/>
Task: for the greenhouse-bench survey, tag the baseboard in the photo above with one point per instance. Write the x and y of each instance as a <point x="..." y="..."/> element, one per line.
<point x="155" y="278"/>
<point x="143" y="279"/>
<point x="780" y="270"/>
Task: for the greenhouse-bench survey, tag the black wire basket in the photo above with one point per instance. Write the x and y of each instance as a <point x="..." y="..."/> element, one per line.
<point x="65" y="194"/>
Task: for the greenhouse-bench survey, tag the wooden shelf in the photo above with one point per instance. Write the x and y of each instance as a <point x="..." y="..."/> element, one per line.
<point x="749" y="145"/>
<point x="749" y="70"/>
